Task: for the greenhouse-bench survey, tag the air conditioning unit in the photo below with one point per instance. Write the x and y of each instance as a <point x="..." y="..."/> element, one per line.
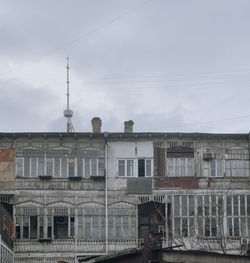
<point x="208" y="156"/>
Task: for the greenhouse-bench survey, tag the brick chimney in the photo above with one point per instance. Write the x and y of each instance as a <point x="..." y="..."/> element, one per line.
<point x="128" y="126"/>
<point x="96" y="124"/>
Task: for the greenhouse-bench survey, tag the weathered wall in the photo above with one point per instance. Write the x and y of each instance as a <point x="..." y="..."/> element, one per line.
<point x="177" y="182"/>
<point x="125" y="150"/>
<point x="7" y="168"/>
<point x="200" y="256"/>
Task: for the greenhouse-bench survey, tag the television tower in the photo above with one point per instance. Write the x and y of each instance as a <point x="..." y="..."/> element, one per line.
<point x="68" y="114"/>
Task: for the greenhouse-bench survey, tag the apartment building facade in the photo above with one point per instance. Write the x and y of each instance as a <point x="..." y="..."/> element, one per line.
<point x="80" y="194"/>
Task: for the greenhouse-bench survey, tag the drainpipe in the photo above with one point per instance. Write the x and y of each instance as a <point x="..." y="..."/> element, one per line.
<point x="106" y="190"/>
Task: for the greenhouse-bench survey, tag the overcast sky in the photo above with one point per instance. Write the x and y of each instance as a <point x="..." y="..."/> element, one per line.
<point x="169" y="65"/>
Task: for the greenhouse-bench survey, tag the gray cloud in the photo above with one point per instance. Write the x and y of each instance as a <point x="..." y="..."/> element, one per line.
<point x="169" y="65"/>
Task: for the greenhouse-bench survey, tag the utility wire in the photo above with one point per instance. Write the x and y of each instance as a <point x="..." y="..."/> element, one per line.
<point x="88" y="33"/>
<point x="201" y="123"/>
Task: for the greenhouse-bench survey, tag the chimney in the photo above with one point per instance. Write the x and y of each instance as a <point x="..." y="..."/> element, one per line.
<point x="96" y="124"/>
<point x="128" y="126"/>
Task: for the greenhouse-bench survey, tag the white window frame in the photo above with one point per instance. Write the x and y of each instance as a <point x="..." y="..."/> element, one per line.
<point x="134" y="168"/>
<point x="216" y="170"/>
<point x="174" y="167"/>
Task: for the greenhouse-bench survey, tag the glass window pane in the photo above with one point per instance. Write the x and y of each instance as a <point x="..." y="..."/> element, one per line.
<point x="148" y="168"/>
<point x="219" y="168"/>
<point x="170" y="163"/>
<point x="118" y="224"/>
<point x="130" y="168"/>
<point x="101" y="167"/>
<point x="49" y="230"/>
<point x="93" y="167"/>
<point x="95" y="227"/>
<point x="27" y="167"/>
<point x="121" y="167"/>
<point x="64" y="167"/>
<point x="176" y="205"/>
<point x="57" y="167"/>
<point x="80" y="227"/>
<point x="207" y="226"/>
<point x="125" y="227"/>
<point x="177" y="227"/>
<point x="190" y="171"/>
<point x="103" y="229"/>
<point x="25" y="227"/>
<point x="19" y="167"/>
<point x="191" y="206"/>
<point x="184" y="227"/>
<point x="88" y="227"/>
<point x="213" y="172"/>
<point x="41" y="171"/>
<point x="49" y="168"/>
<point x="79" y="167"/>
<point x="184" y="205"/>
<point x="33" y="167"/>
<point x="87" y="168"/>
<point x="71" y="165"/>
<point x="213" y="227"/>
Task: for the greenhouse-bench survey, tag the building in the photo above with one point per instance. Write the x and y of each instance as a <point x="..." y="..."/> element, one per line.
<point x="79" y="194"/>
<point x="7" y="227"/>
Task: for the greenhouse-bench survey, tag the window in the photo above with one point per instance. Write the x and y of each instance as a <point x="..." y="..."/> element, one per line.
<point x="71" y="167"/>
<point x="183" y="213"/>
<point x="237" y="167"/>
<point x="145" y="168"/>
<point x="33" y="227"/>
<point x="38" y="163"/>
<point x="25" y="227"/>
<point x="72" y="226"/>
<point x="49" y="227"/>
<point x="216" y="168"/>
<point x="180" y="167"/>
<point x="41" y="222"/>
<point x="19" y="166"/>
<point x="49" y="167"/>
<point x="93" y="167"/>
<point x="126" y="168"/>
<point x="18" y="227"/>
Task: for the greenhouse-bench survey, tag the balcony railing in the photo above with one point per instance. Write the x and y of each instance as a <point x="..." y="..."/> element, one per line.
<point x="58" y="183"/>
<point x="71" y="245"/>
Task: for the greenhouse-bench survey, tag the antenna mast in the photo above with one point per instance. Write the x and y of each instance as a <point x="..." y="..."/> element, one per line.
<point x="68" y="114"/>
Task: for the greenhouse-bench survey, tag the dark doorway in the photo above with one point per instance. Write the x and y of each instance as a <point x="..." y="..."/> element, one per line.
<point x="61" y="227"/>
<point x="151" y="217"/>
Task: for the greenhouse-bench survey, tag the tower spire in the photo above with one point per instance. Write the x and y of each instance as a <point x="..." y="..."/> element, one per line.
<point x="68" y="114"/>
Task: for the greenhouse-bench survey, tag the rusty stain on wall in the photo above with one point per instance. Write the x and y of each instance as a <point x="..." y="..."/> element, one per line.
<point x="7" y="168"/>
